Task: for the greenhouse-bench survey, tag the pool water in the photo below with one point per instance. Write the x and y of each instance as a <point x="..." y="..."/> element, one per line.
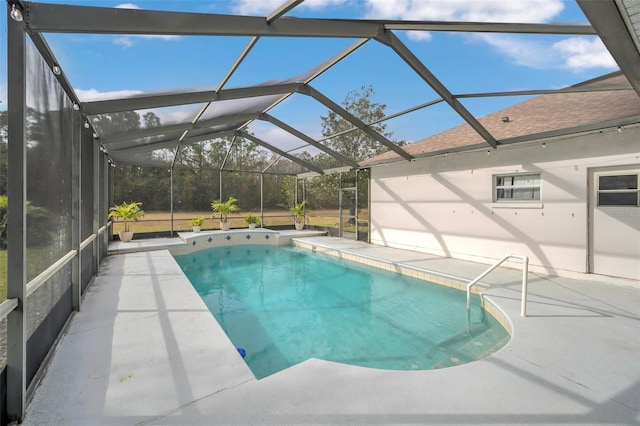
<point x="284" y="305"/>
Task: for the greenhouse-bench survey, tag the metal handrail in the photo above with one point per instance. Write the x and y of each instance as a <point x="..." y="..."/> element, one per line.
<point x="525" y="274"/>
<point x="7" y="306"/>
<point x="10" y="304"/>
<point x="35" y="283"/>
<point x="88" y="241"/>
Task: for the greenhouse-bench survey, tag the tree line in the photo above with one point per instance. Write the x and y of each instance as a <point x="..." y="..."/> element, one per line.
<point x="196" y="175"/>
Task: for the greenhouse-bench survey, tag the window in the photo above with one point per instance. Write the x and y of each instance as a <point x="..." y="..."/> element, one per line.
<point x="618" y="190"/>
<point x="518" y="187"/>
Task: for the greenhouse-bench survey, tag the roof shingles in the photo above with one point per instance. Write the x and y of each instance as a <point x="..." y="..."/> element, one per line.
<point x="535" y="116"/>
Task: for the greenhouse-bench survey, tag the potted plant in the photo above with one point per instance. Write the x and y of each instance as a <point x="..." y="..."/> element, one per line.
<point x="252" y="220"/>
<point x="196" y="224"/>
<point x="298" y="213"/>
<point x="224" y="208"/>
<point x="128" y="213"/>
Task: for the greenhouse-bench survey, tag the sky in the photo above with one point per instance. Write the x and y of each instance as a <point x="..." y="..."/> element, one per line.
<point x="112" y="66"/>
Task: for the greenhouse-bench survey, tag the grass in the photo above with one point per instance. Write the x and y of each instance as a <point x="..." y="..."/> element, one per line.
<point x="161" y="221"/>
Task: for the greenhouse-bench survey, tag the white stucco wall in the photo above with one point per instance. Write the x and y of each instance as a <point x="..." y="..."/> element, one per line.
<point x="444" y="205"/>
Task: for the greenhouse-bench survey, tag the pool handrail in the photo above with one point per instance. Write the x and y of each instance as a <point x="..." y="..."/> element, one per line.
<point x="525" y="274"/>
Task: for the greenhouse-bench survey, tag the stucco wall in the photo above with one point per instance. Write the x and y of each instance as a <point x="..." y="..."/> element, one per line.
<point x="444" y="205"/>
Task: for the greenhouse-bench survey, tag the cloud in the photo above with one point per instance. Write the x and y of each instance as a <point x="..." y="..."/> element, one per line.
<point x="90" y="95"/>
<point x="127" y="6"/>
<point x="465" y="10"/>
<point x="253" y="7"/>
<point x="582" y="53"/>
<point x="275" y="136"/>
<point x="170" y="115"/>
<point x="264" y="7"/>
<point x="419" y="35"/>
<point x="527" y="52"/>
<point x="574" y="53"/>
<point x="124" y="41"/>
<point x="128" y="40"/>
<point x="321" y="4"/>
<point x="531" y="11"/>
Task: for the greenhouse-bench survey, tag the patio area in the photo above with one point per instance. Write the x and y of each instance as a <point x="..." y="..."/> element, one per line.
<point x="144" y="349"/>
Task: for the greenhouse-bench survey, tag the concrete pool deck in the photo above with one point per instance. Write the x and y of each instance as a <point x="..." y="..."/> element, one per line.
<point x="145" y="350"/>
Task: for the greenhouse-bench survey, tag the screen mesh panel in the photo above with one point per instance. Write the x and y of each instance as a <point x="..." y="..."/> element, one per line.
<point x="49" y="133"/>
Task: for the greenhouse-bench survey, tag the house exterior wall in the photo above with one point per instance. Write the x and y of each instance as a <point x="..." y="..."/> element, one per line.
<point x="445" y="205"/>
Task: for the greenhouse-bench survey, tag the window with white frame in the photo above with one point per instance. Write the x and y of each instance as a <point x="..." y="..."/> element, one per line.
<point x="618" y="190"/>
<point x="517" y="187"/>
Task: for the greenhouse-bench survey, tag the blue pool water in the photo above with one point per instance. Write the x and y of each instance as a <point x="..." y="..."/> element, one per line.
<point x="284" y="305"/>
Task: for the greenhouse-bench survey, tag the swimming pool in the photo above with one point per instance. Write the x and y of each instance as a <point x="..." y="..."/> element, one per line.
<point x="284" y="305"/>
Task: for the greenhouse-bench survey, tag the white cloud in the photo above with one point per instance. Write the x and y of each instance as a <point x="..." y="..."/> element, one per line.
<point x="253" y="7"/>
<point x="419" y="35"/>
<point x="581" y="53"/>
<point x="574" y="53"/>
<point x="166" y="115"/>
<point x="275" y="136"/>
<point x="521" y="51"/>
<point x="321" y="4"/>
<point x="124" y="41"/>
<point x="530" y="11"/>
<point x="465" y="10"/>
<point x="264" y="7"/>
<point x="171" y="115"/>
<point x="127" y="6"/>
<point x="127" y="41"/>
<point x="94" y="95"/>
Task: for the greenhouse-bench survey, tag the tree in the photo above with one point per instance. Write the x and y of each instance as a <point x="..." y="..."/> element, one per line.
<point x="322" y="191"/>
<point x="357" y="145"/>
<point x="151" y="120"/>
<point x="118" y="122"/>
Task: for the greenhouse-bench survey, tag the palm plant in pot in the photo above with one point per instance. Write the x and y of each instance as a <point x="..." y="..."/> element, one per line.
<point x="252" y="220"/>
<point x="298" y="213"/>
<point x="196" y="224"/>
<point x="128" y="213"/>
<point x="224" y="209"/>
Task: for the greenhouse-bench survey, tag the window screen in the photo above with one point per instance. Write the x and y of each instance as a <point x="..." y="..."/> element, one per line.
<point x="518" y="187"/>
<point x="618" y="190"/>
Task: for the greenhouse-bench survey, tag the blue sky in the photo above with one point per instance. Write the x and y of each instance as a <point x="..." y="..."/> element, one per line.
<point x="107" y="66"/>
